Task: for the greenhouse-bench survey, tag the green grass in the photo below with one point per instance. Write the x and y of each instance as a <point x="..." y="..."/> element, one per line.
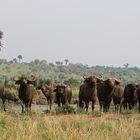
<point x="69" y="127"/>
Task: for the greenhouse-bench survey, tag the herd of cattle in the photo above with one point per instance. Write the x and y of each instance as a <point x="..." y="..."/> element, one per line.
<point x="92" y="89"/>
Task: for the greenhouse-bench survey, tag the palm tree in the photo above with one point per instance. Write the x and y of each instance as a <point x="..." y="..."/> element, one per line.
<point x="126" y="65"/>
<point x="66" y="61"/>
<point x="20" y="58"/>
<point x="1" y="34"/>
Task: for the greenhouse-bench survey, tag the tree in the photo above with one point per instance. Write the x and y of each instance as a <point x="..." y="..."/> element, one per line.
<point x="126" y="65"/>
<point x="20" y="58"/>
<point x="66" y="61"/>
<point x="15" y="60"/>
<point x="1" y="35"/>
<point x="58" y="63"/>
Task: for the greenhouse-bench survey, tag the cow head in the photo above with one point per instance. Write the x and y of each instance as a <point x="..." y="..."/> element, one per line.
<point x="25" y="80"/>
<point x="132" y="86"/>
<point x="92" y="80"/>
<point x="60" y="88"/>
<point x="112" y="81"/>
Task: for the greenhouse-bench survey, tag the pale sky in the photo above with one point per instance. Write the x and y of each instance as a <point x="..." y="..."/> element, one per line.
<point x="93" y="32"/>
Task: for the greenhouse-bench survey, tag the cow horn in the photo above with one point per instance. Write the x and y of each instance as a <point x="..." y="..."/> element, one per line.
<point x="64" y="85"/>
<point x="84" y="77"/>
<point x="117" y="81"/>
<point x="13" y="78"/>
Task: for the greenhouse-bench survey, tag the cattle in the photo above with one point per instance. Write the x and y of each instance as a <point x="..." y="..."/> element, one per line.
<point x="88" y="92"/>
<point x="10" y="96"/>
<point x="138" y="95"/>
<point x="105" y="90"/>
<point x="129" y="98"/>
<point x="2" y="93"/>
<point x="63" y="94"/>
<point x="48" y="93"/>
<point x="26" y="92"/>
<point x="117" y="96"/>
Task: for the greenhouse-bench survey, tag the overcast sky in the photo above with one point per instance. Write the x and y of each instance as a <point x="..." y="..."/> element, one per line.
<point x="93" y="32"/>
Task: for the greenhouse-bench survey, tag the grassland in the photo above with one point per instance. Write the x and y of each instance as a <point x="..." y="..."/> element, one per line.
<point x="92" y="126"/>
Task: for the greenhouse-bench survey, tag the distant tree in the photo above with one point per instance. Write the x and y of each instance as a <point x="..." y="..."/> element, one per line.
<point x="15" y="60"/>
<point x="3" y="61"/>
<point x="1" y="35"/>
<point x="43" y="62"/>
<point x="58" y="63"/>
<point x="20" y="58"/>
<point x="51" y="64"/>
<point x="66" y="61"/>
<point x="36" y="61"/>
<point x="126" y="65"/>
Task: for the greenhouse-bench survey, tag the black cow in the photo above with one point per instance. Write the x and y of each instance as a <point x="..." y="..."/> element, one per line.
<point x="88" y="92"/>
<point x="63" y="94"/>
<point x="129" y="98"/>
<point x="105" y="90"/>
<point x="117" y="97"/>
<point x="26" y="92"/>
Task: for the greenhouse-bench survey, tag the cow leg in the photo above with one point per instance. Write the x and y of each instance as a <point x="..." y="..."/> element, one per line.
<point x="104" y="107"/>
<point x="3" y="101"/>
<point x="93" y="102"/>
<point x="59" y="102"/>
<point x="30" y="106"/>
<point x="101" y="106"/>
<point x="86" y="105"/>
<point x="139" y="106"/>
<point x="130" y="106"/>
<point x="50" y="104"/>
<point x="22" y="106"/>
<point x="80" y="103"/>
<point x="115" y="107"/>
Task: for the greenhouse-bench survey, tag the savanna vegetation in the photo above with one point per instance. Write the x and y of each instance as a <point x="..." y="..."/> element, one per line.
<point x="72" y="74"/>
<point x="69" y="127"/>
<point x="66" y="123"/>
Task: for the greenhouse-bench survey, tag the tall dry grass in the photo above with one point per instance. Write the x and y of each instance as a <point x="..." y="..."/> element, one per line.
<point x="69" y="127"/>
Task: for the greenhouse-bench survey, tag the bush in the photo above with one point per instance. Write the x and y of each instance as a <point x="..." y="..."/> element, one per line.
<point x="65" y="109"/>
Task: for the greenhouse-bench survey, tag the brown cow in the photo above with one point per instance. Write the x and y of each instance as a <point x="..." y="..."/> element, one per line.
<point x="88" y="92"/>
<point x="48" y="93"/>
<point x="129" y="98"/>
<point x="117" y="97"/>
<point x="26" y="92"/>
<point x="105" y="90"/>
<point x="63" y="94"/>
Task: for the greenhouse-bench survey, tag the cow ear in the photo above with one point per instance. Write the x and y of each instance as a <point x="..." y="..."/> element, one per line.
<point x="18" y="82"/>
<point x="117" y="82"/>
<point x="31" y="82"/>
<point x="55" y="90"/>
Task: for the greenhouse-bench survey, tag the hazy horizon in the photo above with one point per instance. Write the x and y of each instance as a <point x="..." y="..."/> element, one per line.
<point x="90" y="32"/>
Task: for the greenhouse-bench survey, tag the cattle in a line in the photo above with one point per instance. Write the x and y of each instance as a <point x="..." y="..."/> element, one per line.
<point x="117" y="97"/>
<point x="129" y="99"/>
<point x="63" y="94"/>
<point x="88" y="92"/>
<point x="49" y="93"/>
<point x="105" y="90"/>
<point x="26" y="92"/>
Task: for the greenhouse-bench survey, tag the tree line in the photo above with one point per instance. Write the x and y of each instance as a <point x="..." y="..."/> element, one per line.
<point x="69" y="73"/>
